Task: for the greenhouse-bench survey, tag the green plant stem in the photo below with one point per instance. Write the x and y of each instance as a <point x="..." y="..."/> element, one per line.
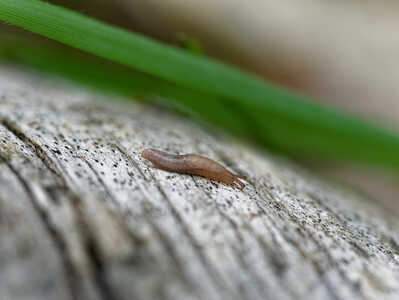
<point x="101" y="74"/>
<point x="280" y="118"/>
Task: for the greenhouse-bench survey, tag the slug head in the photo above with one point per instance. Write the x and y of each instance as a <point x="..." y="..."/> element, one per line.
<point x="152" y="155"/>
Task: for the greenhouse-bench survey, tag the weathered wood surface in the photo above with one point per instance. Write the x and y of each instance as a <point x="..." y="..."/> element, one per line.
<point x="83" y="216"/>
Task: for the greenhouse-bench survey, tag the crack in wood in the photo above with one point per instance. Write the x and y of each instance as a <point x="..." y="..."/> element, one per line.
<point x="317" y="266"/>
<point x="91" y="247"/>
<point x="355" y="246"/>
<point x="262" y="288"/>
<point x="71" y="273"/>
<point x="40" y="152"/>
<point x="198" y="249"/>
<point x="170" y="249"/>
<point x="129" y="159"/>
<point x="93" y="253"/>
<point x="100" y="180"/>
<point x="99" y="267"/>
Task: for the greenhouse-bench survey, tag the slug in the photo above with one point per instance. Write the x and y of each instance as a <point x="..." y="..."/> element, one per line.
<point x="192" y="164"/>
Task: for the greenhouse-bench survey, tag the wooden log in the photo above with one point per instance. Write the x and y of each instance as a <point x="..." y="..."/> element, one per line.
<point x="83" y="216"/>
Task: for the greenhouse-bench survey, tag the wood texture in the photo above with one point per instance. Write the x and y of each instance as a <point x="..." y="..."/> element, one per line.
<point x="83" y="216"/>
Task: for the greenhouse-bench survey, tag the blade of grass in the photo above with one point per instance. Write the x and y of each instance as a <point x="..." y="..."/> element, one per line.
<point x="112" y="78"/>
<point x="280" y="118"/>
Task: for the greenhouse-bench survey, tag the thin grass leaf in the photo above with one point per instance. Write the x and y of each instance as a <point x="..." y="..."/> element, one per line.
<point x="101" y="74"/>
<point x="282" y="119"/>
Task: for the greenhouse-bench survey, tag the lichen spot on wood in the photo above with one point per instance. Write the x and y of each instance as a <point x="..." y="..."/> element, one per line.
<point x="192" y="164"/>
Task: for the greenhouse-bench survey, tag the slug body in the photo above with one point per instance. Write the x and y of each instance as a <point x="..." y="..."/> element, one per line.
<point x="192" y="164"/>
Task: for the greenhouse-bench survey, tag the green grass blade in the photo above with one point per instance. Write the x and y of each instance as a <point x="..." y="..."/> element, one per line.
<point x="98" y="73"/>
<point x="285" y="120"/>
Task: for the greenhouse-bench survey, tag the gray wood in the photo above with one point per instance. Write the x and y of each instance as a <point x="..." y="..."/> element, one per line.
<point x="83" y="216"/>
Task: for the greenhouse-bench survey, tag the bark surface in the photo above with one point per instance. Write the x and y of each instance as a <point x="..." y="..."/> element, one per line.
<point x="83" y="216"/>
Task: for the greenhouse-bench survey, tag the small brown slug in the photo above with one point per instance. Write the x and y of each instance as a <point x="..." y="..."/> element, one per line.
<point x="192" y="164"/>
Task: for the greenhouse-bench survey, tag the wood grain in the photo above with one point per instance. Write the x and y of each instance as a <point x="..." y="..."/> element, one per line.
<point x="83" y="216"/>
